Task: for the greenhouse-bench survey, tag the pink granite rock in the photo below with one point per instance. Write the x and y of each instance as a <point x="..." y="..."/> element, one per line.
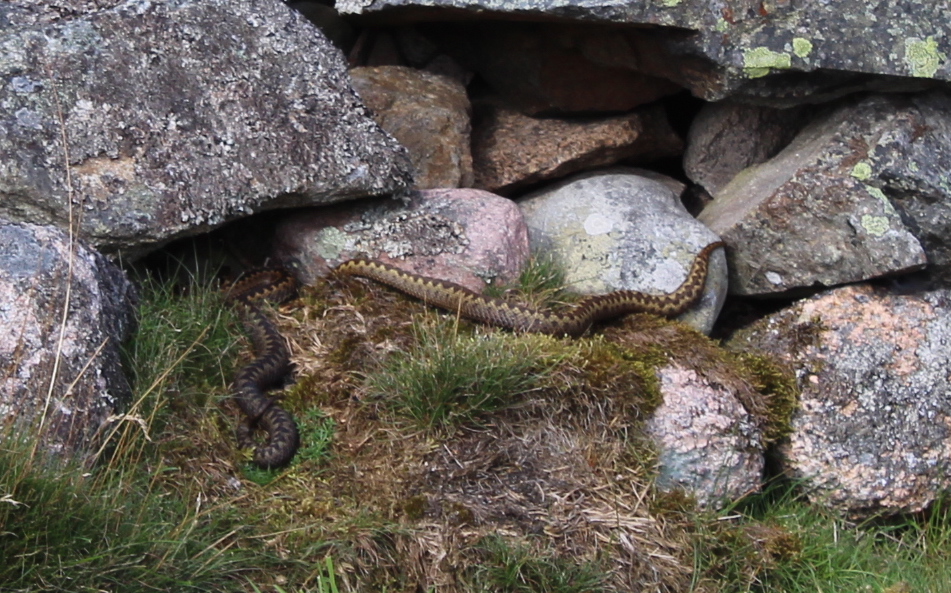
<point x="466" y="236"/>
<point x="709" y="445"/>
<point x="873" y="432"/>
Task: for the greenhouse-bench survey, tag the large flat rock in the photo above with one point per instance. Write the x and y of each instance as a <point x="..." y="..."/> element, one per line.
<point x="175" y="117"/>
<point x="721" y="48"/>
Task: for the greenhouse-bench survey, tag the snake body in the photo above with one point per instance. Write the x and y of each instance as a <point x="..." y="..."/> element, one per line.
<point x="573" y="322"/>
<point x="272" y="361"/>
<point x="270" y="365"/>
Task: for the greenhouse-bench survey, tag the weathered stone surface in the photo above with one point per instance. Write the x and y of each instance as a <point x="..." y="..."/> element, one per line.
<point x="512" y="150"/>
<point x="178" y="116"/>
<point x="545" y="68"/>
<point x="615" y="230"/>
<point x="873" y="433"/>
<point x="428" y="114"/>
<point x="328" y="21"/>
<point x="911" y="165"/>
<point x="709" y="445"/>
<point x="65" y="309"/>
<point x="727" y="137"/>
<point x="815" y="214"/>
<point x="466" y="236"/>
<point x="733" y="48"/>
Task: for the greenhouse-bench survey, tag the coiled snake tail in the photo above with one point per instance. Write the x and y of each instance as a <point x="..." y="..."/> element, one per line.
<point x="270" y="365"/>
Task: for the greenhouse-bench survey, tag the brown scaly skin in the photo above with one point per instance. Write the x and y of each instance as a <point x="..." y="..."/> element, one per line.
<point x="271" y="365"/>
<point x="573" y="322"/>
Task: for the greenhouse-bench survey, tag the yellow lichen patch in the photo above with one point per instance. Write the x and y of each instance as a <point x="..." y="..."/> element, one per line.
<point x="862" y="171"/>
<point x="757" y="62"/>
<point x="923" y="57"/>
<point x="802" y="47"/>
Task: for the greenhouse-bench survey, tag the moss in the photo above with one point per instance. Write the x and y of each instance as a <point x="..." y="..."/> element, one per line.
<point x="415" y="507"/>
<point x="615" y="371"/>
<point x="672" y="503"/>
<point x="304" y="391"/>
<point x="345" y="349"/>
<point x="777" y="384"/>
<point x="459" y="514"/>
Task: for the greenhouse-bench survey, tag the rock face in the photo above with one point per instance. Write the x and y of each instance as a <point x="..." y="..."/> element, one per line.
<point x="733" y="49"/>
<point x="727" y="137"/>
<point x="177" y="117"/>
<point x="514" y="150"/>
<point x="873" y="432"/>
<point x="66" y="309"/>
<point x="709" y="445"/>
<point x="466" y="236"/>
<point x="618" y="231"/>
<point x="428" y="114"/>
<point x="819" y="213"/>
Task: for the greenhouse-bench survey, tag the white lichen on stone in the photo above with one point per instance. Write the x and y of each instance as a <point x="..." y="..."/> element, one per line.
<point x="598" y="224"/>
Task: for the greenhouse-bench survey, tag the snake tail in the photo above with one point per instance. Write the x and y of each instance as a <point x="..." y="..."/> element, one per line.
<point x="269" y="367"/>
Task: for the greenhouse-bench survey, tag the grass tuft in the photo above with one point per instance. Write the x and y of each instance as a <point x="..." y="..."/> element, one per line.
<point x="540" y="284"/>
<point x="515" y="568"/>
<point x="447" y="378"/>
<point x="114" y="527"/>
<point x="777" y="542"/>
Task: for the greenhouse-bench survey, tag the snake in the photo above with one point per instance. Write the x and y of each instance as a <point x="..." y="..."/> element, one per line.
<point x="272" y="361"/>
<point x="269" y="367"/>
<point x="520" y="318"/>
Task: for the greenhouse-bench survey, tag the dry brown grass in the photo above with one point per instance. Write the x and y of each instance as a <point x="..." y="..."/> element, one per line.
<point x="562" y="470"/>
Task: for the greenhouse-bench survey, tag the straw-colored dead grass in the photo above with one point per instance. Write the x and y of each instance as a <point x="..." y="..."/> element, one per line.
<point x="561" y="470"/>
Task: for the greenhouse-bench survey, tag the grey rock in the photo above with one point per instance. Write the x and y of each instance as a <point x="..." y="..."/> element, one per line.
<point x="740" y="48"/>
<point x="727" y="137"/>
<point x="709" y="445"/>
<point x="615" y="230"/>
<point x="328" y="21"/>
<point x="911" y="165"/>
<point x="816" y="214"/>
<point x="178" y="116"/>
<point x="428" y="114"/>
<point x="66" y="309"/>
<point x="872" y="431"/>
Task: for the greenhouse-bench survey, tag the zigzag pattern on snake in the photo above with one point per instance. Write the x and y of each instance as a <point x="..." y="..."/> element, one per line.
<point x="269" y="367"/>
<point x="573" y="322"/>
<point x="272" y="360"/>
